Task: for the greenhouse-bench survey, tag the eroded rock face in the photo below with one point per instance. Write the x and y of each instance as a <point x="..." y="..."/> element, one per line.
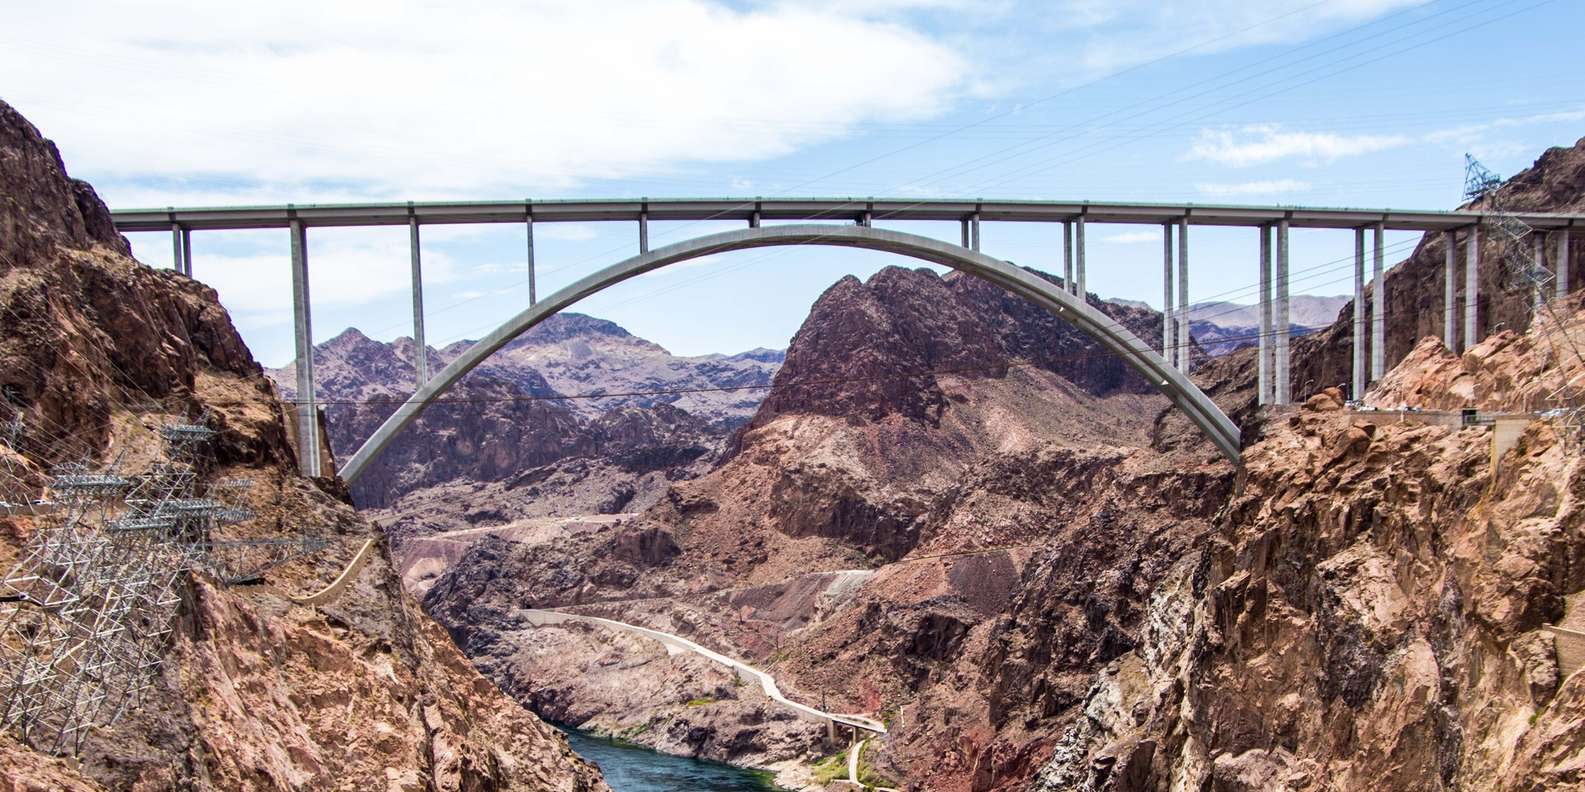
<point x="869" y="350"/>
<point x="254" y="693"/>
<point x="1366" y="615"/>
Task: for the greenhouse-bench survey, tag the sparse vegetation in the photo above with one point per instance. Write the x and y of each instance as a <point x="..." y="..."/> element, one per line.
<point x="831" y="768"/>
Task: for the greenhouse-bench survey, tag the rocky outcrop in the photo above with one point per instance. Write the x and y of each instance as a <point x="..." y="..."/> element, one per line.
<point x="254" y="693"/>
<point x="1367" y="614"/>
<point x="869" y="350"/>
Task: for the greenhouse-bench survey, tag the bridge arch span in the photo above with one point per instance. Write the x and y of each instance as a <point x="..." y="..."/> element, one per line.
<point x="1184" y="394"/>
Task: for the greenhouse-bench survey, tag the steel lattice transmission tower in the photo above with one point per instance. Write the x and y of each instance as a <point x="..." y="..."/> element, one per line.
<point x="1522" y="269"/>
<point x="87" y="611"/>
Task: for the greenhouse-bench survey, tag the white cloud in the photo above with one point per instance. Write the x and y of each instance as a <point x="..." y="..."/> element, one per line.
<point x="1122" y="33"/>
<point x="299" y="100"/>
<point x="1272" y="187"/>
<point x="1133" y="237"/>
<point x="1259" y="144"/>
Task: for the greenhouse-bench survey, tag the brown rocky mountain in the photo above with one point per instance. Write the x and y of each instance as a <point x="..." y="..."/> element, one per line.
<point x="535" y="403"/>
<point x="927" y="431"/>
<point x="1041" y="578"/>
<point x="254" y="692"/>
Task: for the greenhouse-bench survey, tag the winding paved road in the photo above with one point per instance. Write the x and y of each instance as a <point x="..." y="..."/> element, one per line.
<point x="677" y="642"/>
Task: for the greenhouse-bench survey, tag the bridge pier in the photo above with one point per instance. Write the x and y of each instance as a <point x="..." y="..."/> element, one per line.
<point x="1562" y="262"/>
<point x="643" y="232"/>
<point x="307" y="409"/>
<point x="964" y="227"/>
<point x="1378" y="306"/>
<point x="1284" y="326"/>
<point x="1539" y="243"/>
<point x="1184" y="337"/>
<point x="974" y="232"/>
<point x="528" y="227"/>
<point x="1358" y="382"/>
<point x="187" y="251"/>
<point x="1067" y="257"/>
<point x="1078" y="262"/>
<point x="1167" y="324"/>
<point x="420" y="351"/>
<point x="1471" y="287"/>
<point x="179" y="241"/>
<point x="1449" y="291"/>
<point x="1263" y="361"/>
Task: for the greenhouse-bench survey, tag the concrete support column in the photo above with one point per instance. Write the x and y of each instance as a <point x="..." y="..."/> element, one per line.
<point x="1183" y="295"/>
<point x="1378" y="306"/>
<point x="963" y="225"/>
<point x="1538" y="241"/>
<point x="528" y="229"/>
<point x="1263" y="359"/>
<point x="307" y="409"/>
<point x="753" y="219"/>
<point x="974" y="232"/>
<point x="1471" y="288"/>
<point x="1562" y="262"/>
<point x="420" y="350"/>
<point x="1283" y="326"/>
<point x="1167" y="325"/>
<point x="1067" y="257"/>
<point x="1357" y="384"/>
<point x="1449" y="291"/>
<point x="176" y="248"/>
<point x="1078" y="261"/>
<point x="187" y="252"/>
<point x="643" y="232"/>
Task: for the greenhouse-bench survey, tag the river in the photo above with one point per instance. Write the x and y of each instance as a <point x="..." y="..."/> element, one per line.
<point x="629" y="768"/>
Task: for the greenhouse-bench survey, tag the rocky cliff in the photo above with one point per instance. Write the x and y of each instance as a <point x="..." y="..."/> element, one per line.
<point x="253" y="693"/>
<point x="1366" y="614"/>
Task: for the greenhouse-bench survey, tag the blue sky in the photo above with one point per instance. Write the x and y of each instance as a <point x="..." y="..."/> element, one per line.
<point x="1342" y="103"/>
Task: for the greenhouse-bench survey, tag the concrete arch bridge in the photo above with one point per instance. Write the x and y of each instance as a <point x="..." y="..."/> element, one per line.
<point x="1165" y="368"/>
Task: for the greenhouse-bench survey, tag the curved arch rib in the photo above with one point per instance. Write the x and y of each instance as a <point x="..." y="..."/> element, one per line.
<point x="1184" y="394"/>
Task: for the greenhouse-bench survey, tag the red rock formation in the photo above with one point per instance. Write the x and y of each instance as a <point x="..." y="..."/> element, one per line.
<point x="254" y="693"/>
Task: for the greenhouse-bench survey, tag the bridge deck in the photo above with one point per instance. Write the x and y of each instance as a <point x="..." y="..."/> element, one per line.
<point x="744" y="209"/>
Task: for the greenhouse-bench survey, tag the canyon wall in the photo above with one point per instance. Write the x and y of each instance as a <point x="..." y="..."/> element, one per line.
<point x="254" y="692"/>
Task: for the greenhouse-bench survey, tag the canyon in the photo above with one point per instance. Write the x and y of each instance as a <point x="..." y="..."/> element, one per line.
<point x="941" y="508"/>
<point x="949" y="513"/>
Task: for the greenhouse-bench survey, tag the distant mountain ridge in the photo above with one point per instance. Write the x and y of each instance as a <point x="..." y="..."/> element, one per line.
<point x="1221" y="326"/>
<point x="536" y="402"/>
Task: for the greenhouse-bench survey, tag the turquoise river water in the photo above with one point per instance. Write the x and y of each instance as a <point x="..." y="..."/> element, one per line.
<point x="628" y="768"/>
